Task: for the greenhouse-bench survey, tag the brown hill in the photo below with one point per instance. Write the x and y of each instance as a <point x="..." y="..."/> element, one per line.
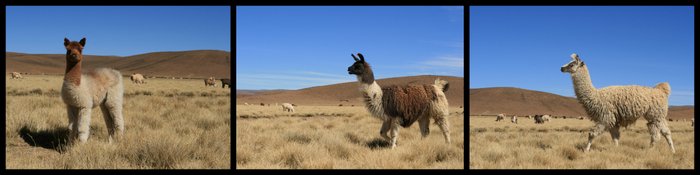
<point x="516" y="101"/>
<point x="347" y="93"/>
<point x="186" y="64"/>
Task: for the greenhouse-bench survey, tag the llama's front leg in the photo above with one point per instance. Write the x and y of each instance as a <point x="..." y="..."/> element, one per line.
<point x="595" y="131"/>
<point x="394" y="133"/>
<point x="72" y="123"/>
<point x="444" y="126"/>
<point x="385" y="128"/>
<point x="83" y="124"/>
<point x="424" y="124"/>
<point x="615" y="133"/>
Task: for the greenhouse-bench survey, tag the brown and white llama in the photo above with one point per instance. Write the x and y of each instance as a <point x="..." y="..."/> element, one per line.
<point x="402" y="105"/>
<point x="137" y="78"/>
<point x="82" y="92"/>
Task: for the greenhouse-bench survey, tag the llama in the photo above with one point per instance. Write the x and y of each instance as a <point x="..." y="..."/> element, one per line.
<point x="210" y="82"/>
<point x="620" y="106"/>
<point x="82" y="92"/>
<point x="137" y="78"/>
<point x="514" y="119"/>
<point x="402" y="105"/>
<point x="16" y="75"/>
<point x="225" y="82"/>
<point x="540" y="119"/>
<point x="500" y="117"/>
<point x="287" y="107"/>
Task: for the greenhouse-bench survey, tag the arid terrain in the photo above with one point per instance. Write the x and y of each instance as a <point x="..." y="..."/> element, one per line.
<point x="559" y="144"/>
<point x="335" y="137"/>
<point x="170" y="124"/>
<point x="331" y="129"/>
<point x="180" y="64"/>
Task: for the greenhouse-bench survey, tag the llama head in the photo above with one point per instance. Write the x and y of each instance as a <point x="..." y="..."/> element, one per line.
<point x="74" y="50"/>
<point x="361" y="69"/>
<point x="573" y="65"/>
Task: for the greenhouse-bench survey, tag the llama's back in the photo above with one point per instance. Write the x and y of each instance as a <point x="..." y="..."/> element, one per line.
<point x="631" y="102"/>
<point x="408" y="103"/>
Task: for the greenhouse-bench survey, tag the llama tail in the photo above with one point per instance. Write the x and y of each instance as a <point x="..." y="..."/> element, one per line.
<point x="442" y="84"/>
<point x="665" y="87"/>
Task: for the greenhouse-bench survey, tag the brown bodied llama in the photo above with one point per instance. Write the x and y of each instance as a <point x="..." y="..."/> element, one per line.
<point x="82" y="92"/>
<point x="402" y="105"/>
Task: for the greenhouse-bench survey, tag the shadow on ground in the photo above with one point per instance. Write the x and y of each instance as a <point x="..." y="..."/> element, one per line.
<point x="378" y="143"/>
<point x="54" y="139"/>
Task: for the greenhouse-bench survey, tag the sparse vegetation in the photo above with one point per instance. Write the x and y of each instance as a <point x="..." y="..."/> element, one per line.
<point x="332" y="137"/>
<point x="559" y="144"/>
<point x="181" y="131"/>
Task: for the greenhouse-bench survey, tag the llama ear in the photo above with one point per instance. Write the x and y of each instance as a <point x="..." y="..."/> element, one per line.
<point x="66" y="41"/>
<point x="82" y="42"/>
<point x="353" y="56"/>
<point x="362" y="58"/>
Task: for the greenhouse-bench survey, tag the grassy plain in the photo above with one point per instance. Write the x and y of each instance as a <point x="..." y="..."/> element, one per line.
<point x="559" y="144"/>
<point x="334" y="137"/>
<point x="170" y="124"/>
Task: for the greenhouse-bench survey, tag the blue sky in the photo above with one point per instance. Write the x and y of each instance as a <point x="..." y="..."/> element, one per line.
<point x="525" y="47"/>
<point x="299" y="47"/>
<point x="120" y="31"/>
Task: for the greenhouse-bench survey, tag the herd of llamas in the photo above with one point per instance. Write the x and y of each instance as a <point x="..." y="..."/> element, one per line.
<point x="103" y="87"/>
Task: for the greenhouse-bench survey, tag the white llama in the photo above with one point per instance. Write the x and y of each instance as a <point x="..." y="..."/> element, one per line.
<point x="620" y="106"/>
<point x="82" y="92"/>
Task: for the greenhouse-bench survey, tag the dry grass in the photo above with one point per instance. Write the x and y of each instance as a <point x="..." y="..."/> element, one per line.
<point x="559" y="145"/>
<point x="170" y="124"/>
<point x="331" y="137"/>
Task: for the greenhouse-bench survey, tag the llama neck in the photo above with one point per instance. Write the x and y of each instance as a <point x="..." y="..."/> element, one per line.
<point x="582" y="84"/>
<point x="72" y="72"/>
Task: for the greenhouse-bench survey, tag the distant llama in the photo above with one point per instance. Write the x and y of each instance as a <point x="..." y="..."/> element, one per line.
<point x="514" y="119"/>
<point x="500" y="117"/>
<point x="225" y="82"/>
<point x="16" y="75"/>
<point x="402" y="105"/>
<point x="620" y="106"/>
<point x="137" y="78"/>
<point x="210" y="82"/>
<point x="82" y="92"/>
<point x="287" y="107"/>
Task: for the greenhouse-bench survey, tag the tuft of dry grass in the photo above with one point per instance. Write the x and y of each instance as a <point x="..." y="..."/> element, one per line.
<point x="559" y="144"/>
<point x="181" y="131"/>
<point x="332" y="137"/>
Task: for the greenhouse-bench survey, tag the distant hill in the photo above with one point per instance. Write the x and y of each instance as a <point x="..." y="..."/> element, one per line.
<point x="510" y="101"/>
<point x="186" y="64"/>
<point x="346" y="93"/>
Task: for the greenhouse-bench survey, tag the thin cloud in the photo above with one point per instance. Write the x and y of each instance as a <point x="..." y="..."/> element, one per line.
<point x="446" y="61"/>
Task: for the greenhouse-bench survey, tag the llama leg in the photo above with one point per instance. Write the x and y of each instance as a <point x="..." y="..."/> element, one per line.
<point x="109" y="121"/>
<point x="595" y="131"/>
<point x="394" y="133"/>
<point x="615" y="133"/>
<point x="115" y="111"/>
<point x="72" y="123"/>
<point x="654" y="132"/>
<point x="444" y="125"/>
<point x="667" y="134"/>
<point x="424" y="123"/>
<point x="83" y="123"/>
<point x="385" y="128"/>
